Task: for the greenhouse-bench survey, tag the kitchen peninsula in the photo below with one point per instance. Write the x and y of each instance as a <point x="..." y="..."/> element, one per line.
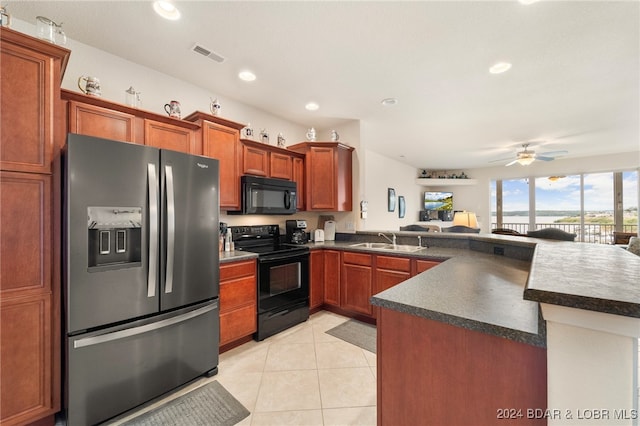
<point x="465" y="342"/>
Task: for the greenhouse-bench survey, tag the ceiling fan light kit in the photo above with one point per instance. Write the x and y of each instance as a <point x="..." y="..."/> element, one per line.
<point x="527" y="156"/>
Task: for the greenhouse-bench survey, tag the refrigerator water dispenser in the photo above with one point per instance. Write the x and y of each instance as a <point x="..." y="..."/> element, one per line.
<point x="115" y="236"/>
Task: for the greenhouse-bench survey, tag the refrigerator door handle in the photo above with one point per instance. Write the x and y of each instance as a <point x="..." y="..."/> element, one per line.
<point x="171" y="229"/>
<point x="153" y="230"/>
<point x="108" y="337"/>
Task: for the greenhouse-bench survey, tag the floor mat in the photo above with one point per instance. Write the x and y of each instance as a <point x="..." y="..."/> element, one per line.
<point x="210" y="404"/>
<point x="357" y="333"/>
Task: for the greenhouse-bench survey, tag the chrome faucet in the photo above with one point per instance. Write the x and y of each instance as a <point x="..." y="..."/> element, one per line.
<point x="419" y="241"/>
<point x="392" y="241"/>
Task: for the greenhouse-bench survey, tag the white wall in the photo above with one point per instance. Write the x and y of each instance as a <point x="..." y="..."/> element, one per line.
<point x="380" y="174"/>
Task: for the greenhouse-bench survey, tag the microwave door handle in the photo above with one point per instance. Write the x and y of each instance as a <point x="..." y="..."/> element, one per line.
<point x="171" y="228"/>
<point x="153" y="230"/>
<point x="287" y="199"/>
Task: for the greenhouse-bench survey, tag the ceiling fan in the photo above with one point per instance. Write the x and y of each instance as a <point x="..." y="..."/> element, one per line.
<point x="528" y="156"/>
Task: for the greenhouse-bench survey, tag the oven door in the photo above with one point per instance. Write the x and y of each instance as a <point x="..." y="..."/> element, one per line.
<point x="283" y="279"/>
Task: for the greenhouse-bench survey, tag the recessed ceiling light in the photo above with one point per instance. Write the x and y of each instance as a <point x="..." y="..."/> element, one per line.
<point x="312" y="106"/>
<point x="500" y="67"/>
<point x="389" y="101"/>
<point x="166" y="9"/>
<point x="246" y="75"/>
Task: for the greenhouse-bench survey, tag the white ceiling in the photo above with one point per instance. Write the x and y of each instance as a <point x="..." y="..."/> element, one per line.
<point x="574" y="84"/>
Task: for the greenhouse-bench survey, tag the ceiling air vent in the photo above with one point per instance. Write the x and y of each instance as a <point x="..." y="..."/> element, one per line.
<point x="208" y="53"/>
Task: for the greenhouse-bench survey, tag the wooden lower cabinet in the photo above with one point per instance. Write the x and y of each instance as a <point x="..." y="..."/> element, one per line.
<point x="332" y="277"/>
<point x="391" y="271"/>
<point x="356" y="282"/>
<point x="238" y="300"/>
<point x="442" y="374"/>
<point x="316" y="278"/>
<point x="420" y="265"/>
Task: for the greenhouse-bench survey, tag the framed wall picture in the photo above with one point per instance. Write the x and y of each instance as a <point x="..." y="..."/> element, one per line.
<point x="401" y="207"/>
<point x="391" y="199"/>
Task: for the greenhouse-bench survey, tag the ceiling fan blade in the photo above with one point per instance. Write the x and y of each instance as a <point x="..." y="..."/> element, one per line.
<point x="502" y="159"/>
<point x="542" y="158"/>
<point x="511" y="163"/>
<point x="554" y="153"/>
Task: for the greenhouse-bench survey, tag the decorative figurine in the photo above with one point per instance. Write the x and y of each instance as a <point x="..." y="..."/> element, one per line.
<point x="173" y="109"/>
<point x="334" y="136"/>
<point x="247" y="132"/>
<point x="133" y="97"/>
<point x="215" y="107"/>
<point x="264" y="136"/>
<point x="311" y="135"/>
<point x="281" y="140"/>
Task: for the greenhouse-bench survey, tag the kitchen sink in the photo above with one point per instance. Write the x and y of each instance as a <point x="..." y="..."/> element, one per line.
<point x="387" y="246"/>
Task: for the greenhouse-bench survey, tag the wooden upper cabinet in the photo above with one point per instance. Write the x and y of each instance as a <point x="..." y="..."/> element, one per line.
<point x="298" y="178"/>
<point x="91" y="120"/>
<point x="281" y="166"/>
<point x="328" y="180"/>
<point x="102" y="118"/>
<point x="255" y="160"/>
<point x="31" y="71"/>
<point x="170" y="136"/>
<point x="220" y="139"/>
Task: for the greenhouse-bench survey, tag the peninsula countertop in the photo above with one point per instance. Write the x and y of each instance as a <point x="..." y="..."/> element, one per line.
<point x="499" y="295"/>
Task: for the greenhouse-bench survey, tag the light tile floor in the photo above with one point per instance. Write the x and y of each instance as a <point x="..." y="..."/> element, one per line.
<point x="301" y="376"/>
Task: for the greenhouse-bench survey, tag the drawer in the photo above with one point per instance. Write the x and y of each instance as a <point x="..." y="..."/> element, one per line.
<point x="238" y="292"/>
<point x="237" y="269"/>
<point x="394" y="263"/>
<point x="356" y="258"/>
<point x="237" y="324"/>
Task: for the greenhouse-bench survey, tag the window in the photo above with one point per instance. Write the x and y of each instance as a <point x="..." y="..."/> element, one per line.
<point x="591" y="205"/>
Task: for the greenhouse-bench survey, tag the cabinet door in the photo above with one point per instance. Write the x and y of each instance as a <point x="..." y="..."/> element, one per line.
<point x="321" y="174"/>
<point x="169" y="136"/>
<point x="25" y="246"/>
<point x="390" y="271"/>
<point x="316" y="278"/>
<point x="223" y="143"/>
<point x="101" y="122"/>
<point x="280" y="166"/>
<point x="332" y="277"/>
<point x="298" y="178"/>
<point x="356" y="282"/>
<point x="28" y="87"/>
<point x="255" y="161"/>
<point x="26" y="354"/>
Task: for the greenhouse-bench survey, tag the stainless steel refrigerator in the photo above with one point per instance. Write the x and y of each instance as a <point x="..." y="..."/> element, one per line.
<point x="141" y="274"/>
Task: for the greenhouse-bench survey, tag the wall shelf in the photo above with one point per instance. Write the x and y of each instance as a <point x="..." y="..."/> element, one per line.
<point x="445" y="182"/>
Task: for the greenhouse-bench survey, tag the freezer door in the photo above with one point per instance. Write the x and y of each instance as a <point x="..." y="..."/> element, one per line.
<point x="189" y="246"/>
<point x="113" y="370"/>
<point x="109" y="231"/>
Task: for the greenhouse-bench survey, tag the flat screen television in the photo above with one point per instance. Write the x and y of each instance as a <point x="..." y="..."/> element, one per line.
<point x="438" y="200"/>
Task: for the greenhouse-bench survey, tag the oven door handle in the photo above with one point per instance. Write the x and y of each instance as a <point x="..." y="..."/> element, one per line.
<point x="292" y="257"/>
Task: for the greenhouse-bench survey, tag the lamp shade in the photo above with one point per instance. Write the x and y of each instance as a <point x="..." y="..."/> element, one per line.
<point x="466" y="219"/>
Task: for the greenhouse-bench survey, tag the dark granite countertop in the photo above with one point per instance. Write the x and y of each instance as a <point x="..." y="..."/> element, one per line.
<point x="594" y="277"/>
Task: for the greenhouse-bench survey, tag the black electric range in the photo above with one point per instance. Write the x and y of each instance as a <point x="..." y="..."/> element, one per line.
<point x="282" y="275"/>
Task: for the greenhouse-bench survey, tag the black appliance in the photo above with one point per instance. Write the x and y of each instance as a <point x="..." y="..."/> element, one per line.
<point x="140" y="274"/>
<point x="267" y="196"/>
<point x="283" y="278"/>
<point x="296" y="231"/>
<point x="443" y="215"/>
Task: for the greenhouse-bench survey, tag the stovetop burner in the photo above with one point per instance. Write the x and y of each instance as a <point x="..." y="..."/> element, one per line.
<point x="263" y="240"/>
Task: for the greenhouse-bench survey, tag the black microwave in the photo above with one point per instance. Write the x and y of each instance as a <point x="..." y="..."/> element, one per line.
<point x="267" y="196"/>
